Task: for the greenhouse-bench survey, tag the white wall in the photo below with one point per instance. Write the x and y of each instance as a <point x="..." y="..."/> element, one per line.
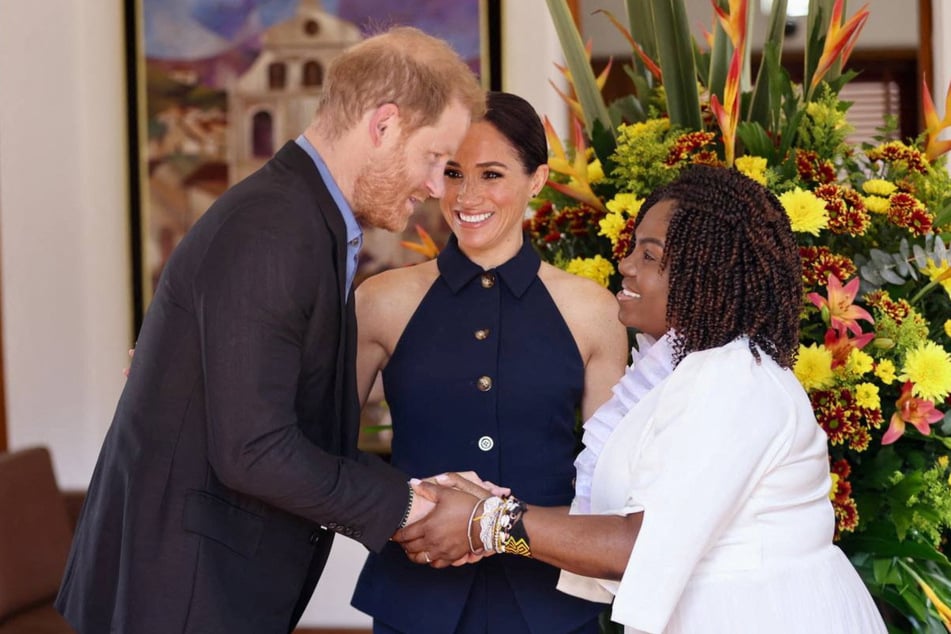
<point x="63" y="222"/>
<point x="64" y="245"/>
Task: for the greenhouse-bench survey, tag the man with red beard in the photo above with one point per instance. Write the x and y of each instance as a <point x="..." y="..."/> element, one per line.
<point x="231" y="460"/>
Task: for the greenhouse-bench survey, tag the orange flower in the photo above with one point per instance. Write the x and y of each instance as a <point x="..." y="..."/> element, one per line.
<point x="577" y="169"/>
<point x="909" y="409"/>
<point x="649" y="64"/>
<point x="934" y="126"/>
<point x="734" y="22"/>
<point x="570" y="99"/>
<point x="840" y="38"/>
<point x="839" y="307"/>
<point x="425" y="246"/>
<point x="728" y="114"/>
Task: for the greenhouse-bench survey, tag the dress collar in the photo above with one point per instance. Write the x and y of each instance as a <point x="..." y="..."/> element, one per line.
<point x="517" y="273"/>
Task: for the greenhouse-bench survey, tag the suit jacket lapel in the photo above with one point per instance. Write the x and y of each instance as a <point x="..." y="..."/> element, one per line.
<point x="345" y="404"/>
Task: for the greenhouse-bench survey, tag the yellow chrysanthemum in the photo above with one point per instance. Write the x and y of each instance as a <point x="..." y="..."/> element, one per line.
<point x="835" y="485"/>
<point x="807" y="213"/>
<point x="814" y="367"/>
<point x="858" y="363"/>
<point x="879" y="187"/>
<point x="928" y="367"/>
<point x="595" y="171"/>
<point x="866" y="395"/>
<point x="947" y="328"/>
<point x="611" y="226"/>
<point x="625" y="203"/>
<point x="876" y="204"/>
<point x="753" y="167"/>
<point x="596" y="268"/>
<point x="885" y="370"/>
<point x="942" y="462"/>
<point x="934" y="270"/>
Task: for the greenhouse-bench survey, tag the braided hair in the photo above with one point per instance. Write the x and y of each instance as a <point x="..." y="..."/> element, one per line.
<point x="733" y="264"/>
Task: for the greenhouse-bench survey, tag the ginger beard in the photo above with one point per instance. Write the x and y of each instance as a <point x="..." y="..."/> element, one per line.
<point x="382" y="194"/>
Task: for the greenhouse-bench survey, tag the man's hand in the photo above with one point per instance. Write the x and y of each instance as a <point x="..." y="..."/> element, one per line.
<point x="125" y="371"/>
<point x="421" y="506"/>
<point x="441" y="538"/>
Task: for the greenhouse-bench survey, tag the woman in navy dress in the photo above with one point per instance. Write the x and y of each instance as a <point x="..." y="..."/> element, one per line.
<point x="488" y="357"/>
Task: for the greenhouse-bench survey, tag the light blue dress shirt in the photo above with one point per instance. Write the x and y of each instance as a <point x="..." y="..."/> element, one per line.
<point x="354" y="232"/>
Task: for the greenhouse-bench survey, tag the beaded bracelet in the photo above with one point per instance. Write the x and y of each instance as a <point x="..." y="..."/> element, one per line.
<point x="472" y="519"/>
<point x="487" y="522"/>
<point x="501" y="526"/>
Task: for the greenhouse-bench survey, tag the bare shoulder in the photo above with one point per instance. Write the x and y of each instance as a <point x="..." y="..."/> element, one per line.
<point x="590" y="310"/>
<point x="577" y="295"/>
<point x="386" y="301"/>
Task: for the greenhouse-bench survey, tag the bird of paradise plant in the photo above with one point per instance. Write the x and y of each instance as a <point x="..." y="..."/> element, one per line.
<point x="874" y="228"/>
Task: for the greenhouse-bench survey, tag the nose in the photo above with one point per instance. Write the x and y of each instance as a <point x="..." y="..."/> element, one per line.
<point x="626" y="266"/>
<point x="436" y="183"/>
<point x="467" y="192"/>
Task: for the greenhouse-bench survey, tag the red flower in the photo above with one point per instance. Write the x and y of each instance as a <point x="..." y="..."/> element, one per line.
<point x="820" y="262"/>
<point x="847" y="211"/>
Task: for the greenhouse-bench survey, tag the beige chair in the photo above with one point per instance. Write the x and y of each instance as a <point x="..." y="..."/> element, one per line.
<point x="35" y="534"/>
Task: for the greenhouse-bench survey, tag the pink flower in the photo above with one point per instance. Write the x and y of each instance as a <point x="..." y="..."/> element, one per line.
<point x="839" y="307"/>
<point x="918" y="411"/>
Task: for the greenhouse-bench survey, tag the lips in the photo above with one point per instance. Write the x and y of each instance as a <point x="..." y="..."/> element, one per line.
<point x="626" y="294"/>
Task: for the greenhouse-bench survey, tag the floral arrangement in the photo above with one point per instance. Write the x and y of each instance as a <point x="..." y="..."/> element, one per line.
<point x="874" y="228"/>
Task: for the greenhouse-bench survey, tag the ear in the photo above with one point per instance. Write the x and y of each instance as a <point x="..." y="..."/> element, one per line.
<point x="539" y="178"/>
<point x="384" y="121"/>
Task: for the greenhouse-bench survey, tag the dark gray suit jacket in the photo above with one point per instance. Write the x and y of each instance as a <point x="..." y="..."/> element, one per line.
<point x="235" y="437"/>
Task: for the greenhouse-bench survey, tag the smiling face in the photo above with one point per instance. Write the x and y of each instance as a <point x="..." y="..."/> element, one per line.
<point x="487" y="192"/>
<point x="644" y="289"/>
<point x="408" y="171"/>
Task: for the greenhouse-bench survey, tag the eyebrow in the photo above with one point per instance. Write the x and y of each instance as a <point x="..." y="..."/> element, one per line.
<point x="481" y="165"/>
<point x="656" y="241"/>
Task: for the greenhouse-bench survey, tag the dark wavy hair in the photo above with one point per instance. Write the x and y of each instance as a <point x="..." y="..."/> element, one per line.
<point x="518" y="122"/>
<point x="733" y="264"/>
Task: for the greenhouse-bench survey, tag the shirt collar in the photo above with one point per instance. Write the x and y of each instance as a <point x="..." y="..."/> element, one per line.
<point x="517" y="274"/>
<point x="354" y="232"/>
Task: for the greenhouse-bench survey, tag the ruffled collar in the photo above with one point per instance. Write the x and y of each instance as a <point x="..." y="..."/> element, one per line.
<point x="652" y="363"/>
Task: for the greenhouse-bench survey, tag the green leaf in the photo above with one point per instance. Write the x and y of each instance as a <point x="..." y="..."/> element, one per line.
<point x="884" y="571"/>
<point x="765" y="95"/>
<point x="586" y="87"/>
<point x="943" y="215"/>
<point x="642" y="30"/>
<point x="756" y="140"/>
<point x="720" y="54"/>
<point x="880" y="547"/>
<point x="817" y="26"/>
<point x="675" y="56"/>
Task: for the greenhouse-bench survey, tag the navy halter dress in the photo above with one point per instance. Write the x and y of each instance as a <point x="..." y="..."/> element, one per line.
<point x="485" y="377"/>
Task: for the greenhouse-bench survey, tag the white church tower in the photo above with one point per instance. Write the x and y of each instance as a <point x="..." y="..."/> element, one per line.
<point x="275" y="99"/>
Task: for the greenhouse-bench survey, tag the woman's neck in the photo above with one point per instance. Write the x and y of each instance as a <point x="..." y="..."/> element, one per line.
<point x="494" y="256"/>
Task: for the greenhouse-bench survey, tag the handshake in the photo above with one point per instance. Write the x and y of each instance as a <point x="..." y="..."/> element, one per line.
<point x="458" y="518"/>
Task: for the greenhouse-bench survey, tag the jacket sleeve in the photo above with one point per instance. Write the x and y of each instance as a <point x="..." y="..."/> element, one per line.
<point x="255" y="293"/>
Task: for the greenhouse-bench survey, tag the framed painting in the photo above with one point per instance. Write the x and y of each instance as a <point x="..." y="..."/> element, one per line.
<point x="216" y="87"/>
